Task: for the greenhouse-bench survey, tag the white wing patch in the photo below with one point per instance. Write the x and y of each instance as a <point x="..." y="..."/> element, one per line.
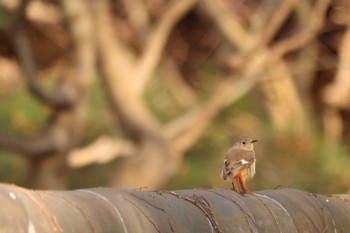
<point x="242" y="161"/>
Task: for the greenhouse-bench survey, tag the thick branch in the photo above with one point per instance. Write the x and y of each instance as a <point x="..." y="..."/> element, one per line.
<point x="36" y="145"/>
<point x="137" y="120"/>
<point x="123" y="60"/>
<point x="137" y="14"/>
<point x="103" y="150"/>
<point x="204" y="210"/>
<point x="337" y="94"/>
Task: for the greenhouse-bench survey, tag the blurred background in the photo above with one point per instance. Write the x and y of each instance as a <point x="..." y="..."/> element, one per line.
<point x="151" y="93"/>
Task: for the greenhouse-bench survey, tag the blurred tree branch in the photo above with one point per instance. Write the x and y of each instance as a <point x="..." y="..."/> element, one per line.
<point x="336" y="95"/>
<point x="31" y="146"/>
<point x="156" y="42"/>
<point x="290" y="106"/>
<point x="125" y="81"/>
<point x="198" y="119"/>
<point x="48" y="148"/>
<point x="138" y="15"/>
<point x="102" y="150"/>
<point x="274" y="23"/>
<point x="61" y="97"/>
<point x="254" y="65"/>
<point x="307" y="33"/>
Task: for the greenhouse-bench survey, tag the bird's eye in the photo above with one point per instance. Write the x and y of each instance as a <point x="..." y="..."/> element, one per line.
<point x="243" y="142"/>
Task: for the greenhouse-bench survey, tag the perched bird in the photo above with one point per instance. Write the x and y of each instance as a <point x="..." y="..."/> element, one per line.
<point x="239" y="164"/>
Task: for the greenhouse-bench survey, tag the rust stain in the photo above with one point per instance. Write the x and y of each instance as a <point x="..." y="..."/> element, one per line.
<point x="77" y="207"/>
<point x="47" y="213"/>
<point x="149" y="203"/>
<point x="249" y="218"/>
<point x="53" y="216"/>
<point x="202" y="204"/>
<point x="144" y="214"/>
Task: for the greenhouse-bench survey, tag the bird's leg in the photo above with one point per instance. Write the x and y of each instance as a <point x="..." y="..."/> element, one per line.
<point x="240" y="188"/>
<point x="233" y="186"/>
<point x="236" y="186"/>
<point x="243" y="184"/>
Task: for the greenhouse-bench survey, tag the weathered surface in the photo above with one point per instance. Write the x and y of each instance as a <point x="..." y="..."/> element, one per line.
<point x="200" y="210"/>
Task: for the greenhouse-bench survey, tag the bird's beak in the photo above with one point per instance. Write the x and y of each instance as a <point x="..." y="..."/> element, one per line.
<point x="254" y="140"/>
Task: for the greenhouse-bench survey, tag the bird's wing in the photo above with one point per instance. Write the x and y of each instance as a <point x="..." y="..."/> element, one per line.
<point x="237" y="161"/>
<point x="225" y="169"/>
<point x="240" y="166"/>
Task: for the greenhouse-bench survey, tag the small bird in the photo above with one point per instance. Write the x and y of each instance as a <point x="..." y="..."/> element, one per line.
<point x="239" y="164"/>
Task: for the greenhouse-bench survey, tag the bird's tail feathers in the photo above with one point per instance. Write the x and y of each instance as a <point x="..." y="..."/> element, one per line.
<point x="223" y="174"/>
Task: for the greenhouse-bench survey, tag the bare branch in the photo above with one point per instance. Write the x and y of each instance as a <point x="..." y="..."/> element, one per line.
<point x="33" y="146"/>
<point x="138" y="121"/>
<point x="298" y="40"/>
<point x="156" y="42"/>
<point x="84" y="54"/>
<point x="137" y="14"/>
<point x="176" y="84"/>
<point x="182" y="123"/>
<point x="44" y="12"/>
<point x="333" y="124"/>
<point x="60" y="97"/>
<point x="262" y="57"/>
<point x="337" y="93"/>
<point x="277" y="19"/>
<point x="224" y="94"/>
<point x="282" y="99"/>
<point x="235" y="32"/>
<point x="122" y="57"/>
<point x="103" y="150"/>
<point x="229" y="24"/>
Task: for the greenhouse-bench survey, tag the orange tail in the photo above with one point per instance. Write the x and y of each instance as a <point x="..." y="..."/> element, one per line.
<point x="241" y="185"/>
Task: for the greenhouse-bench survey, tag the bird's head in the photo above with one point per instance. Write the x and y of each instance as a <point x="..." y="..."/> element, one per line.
<point x="245" y="142"/>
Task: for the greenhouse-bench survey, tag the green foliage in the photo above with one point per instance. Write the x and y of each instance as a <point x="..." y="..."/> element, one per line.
<point x="3" y="17"/>
<point x="96" y="175"/>
<point x="13" y="168"/>
<point x="201" y="166"/>
<point x="19" y="111"/>
<point x="99" y="120"/>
